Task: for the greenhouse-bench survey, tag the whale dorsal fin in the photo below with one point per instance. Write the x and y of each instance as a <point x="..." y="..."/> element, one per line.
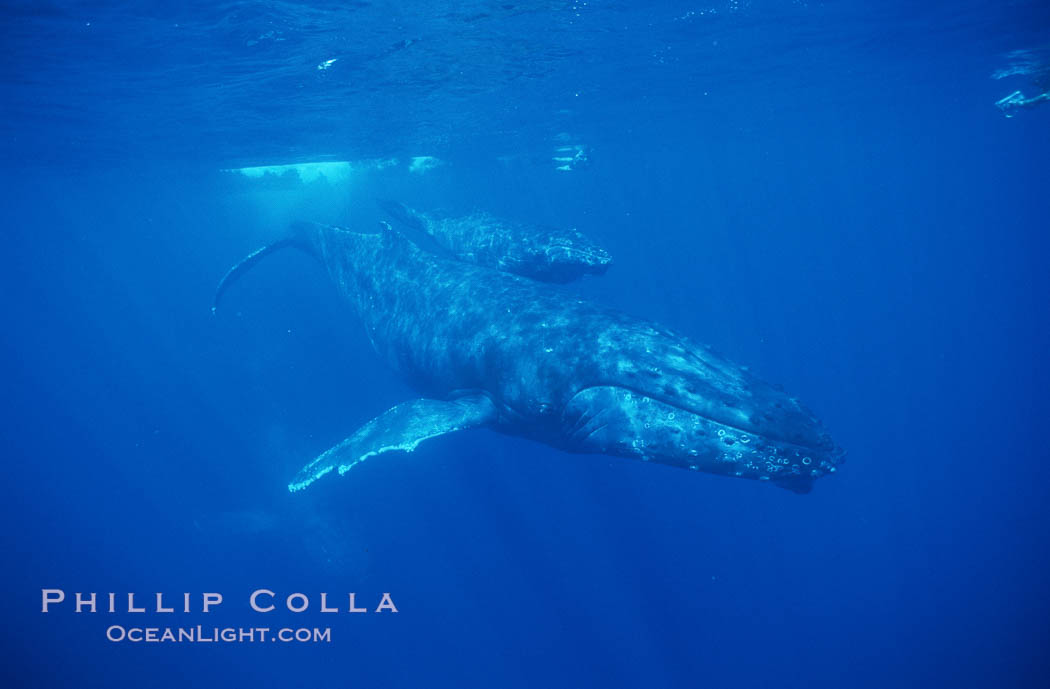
<point x="400" y="428"/>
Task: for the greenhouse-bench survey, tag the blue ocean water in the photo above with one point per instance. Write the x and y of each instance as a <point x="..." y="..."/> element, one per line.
<point x="825" y="192"/>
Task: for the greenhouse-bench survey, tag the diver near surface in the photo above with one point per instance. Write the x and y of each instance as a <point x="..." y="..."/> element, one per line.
<point x="487" y="348"/>
<point x="1017" y="100"/>
<point x="1033" y="64"/>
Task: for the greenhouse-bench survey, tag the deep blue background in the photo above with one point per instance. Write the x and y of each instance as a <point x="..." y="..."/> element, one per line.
<point x="824" y="192"/>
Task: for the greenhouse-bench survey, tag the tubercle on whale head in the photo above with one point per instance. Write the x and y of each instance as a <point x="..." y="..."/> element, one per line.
<point x="619" y="421"/>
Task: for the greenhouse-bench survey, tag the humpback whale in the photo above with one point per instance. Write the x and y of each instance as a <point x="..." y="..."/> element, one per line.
<point x="486" y="348"/>
<point x="542" y="253"/>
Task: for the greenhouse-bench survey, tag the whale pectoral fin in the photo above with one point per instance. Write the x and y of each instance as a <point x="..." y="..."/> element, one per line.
<point x="400" y="428"/>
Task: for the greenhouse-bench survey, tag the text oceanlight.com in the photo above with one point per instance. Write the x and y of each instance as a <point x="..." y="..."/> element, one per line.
<point x="200" y="634"/>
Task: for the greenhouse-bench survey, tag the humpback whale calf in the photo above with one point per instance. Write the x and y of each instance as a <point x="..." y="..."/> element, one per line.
<point x="541" y="253"/>
<point x="487" y="348"/>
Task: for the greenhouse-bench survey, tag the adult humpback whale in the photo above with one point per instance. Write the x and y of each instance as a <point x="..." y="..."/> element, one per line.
<point x="487" y="348"/>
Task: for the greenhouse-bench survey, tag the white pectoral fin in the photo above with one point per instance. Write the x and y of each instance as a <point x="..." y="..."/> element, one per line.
<point x="400" y="428"/>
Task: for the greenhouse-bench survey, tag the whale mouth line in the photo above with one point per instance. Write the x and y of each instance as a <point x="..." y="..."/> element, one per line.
<point x="833" y="450"/>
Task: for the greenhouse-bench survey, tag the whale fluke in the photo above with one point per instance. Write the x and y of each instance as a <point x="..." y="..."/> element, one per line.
<point x="401" y="428"/>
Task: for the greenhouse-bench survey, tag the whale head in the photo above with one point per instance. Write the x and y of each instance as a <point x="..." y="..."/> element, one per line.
<point x="571" y="248"/>
<point x="703" y="413"/>
<point x="783" y="444"/>
<point x="554" y="255"/>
